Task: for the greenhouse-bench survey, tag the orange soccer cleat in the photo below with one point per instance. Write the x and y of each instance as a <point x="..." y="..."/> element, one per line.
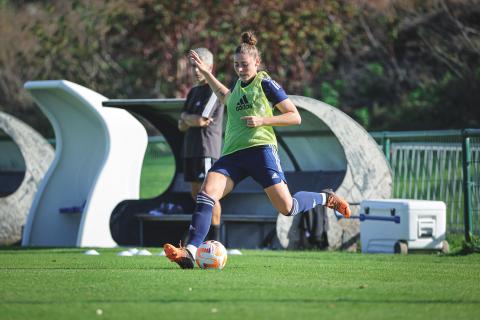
<point x="337" y="203"/>
<point x="180" y="256"/>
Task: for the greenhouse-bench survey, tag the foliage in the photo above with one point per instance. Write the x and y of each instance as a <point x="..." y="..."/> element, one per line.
<point x="390" y="64"/>
<point x="415" y="65"/>
<point x="471" y="247"/>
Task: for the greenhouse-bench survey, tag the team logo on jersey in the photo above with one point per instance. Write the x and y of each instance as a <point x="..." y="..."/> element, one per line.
<point x="198" y="103"/>
<point x="243" y="104"/>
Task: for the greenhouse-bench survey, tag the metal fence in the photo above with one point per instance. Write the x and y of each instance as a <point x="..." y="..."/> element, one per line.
<point x="438" y="165"/>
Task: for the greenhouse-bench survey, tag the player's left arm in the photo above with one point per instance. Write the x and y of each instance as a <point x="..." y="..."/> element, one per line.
<point x="289" y="115"/>
<point x="276" y="95"/>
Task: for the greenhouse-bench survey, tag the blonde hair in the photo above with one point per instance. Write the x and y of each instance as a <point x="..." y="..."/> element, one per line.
<point x="248" y="45"/>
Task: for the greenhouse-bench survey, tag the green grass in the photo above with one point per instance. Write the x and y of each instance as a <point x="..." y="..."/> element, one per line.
<point x="65" y="284"/>
<point x="156" y="176"/>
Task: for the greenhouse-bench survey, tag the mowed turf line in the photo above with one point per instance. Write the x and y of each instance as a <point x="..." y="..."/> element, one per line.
<point x="66" y="284"/>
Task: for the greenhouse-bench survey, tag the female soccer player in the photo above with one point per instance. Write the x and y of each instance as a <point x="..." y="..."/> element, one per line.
<point x="250" y="148"/>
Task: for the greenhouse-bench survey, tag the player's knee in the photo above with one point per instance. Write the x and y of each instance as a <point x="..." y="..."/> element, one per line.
<point x="212" y="190"/>
<point x="209" y="193"/>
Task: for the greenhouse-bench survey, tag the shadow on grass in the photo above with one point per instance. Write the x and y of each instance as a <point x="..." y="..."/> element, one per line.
<point x="37" y="249"/>
<point x="253" y="300"/>
<point x="467" y="249"/>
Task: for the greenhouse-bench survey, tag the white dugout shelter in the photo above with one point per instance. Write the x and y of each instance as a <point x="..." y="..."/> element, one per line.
<point x="98" y="158"/>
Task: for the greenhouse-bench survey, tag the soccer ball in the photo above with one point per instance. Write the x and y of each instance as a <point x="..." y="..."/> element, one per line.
<point x="211" y="255"/>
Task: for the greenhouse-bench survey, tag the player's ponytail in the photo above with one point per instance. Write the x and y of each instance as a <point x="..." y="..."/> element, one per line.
<point x="249" y="38"/>
<point x="247" y="45"/>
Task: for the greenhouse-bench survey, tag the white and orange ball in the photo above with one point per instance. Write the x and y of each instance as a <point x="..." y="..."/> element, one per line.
<point x="211" y="254"/>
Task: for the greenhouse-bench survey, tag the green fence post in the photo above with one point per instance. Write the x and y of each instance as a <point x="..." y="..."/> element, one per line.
<point x="467" y="197"/>
<point x="386" y="145"/>
<point x="387" y="148"/>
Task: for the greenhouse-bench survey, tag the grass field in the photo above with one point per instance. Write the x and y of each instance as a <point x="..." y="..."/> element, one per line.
<point x="156" y="176"/>
<point x="66" y="284"/>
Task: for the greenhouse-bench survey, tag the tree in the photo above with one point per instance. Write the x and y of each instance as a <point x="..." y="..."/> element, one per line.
<point x="390" y="64"/>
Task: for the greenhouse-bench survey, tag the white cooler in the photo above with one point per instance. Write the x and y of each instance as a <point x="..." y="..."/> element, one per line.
<point x="422" y="226"/>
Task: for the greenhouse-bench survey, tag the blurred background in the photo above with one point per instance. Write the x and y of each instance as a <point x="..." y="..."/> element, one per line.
<point x="391" y="65"/>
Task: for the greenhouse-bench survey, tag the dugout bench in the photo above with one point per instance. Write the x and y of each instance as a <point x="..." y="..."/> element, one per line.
<point x="264" y="227"/>
<point x="248" y="219"/>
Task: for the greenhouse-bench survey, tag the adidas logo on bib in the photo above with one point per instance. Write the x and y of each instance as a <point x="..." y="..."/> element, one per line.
<point x="243" y="104"/>
<point x="275" y="176"/>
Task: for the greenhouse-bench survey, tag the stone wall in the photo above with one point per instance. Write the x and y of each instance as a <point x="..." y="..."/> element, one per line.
<point x="38" y="155"/>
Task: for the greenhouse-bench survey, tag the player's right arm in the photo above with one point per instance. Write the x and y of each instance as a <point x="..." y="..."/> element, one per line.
<point x="182" y="126"/>
<point x="217" y="87"/>
<point x="195" y="120"/>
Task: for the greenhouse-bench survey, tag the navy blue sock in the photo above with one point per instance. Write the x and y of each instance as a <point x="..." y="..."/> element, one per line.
<point x="201" y="219"/>
<point x="304" y="201"/>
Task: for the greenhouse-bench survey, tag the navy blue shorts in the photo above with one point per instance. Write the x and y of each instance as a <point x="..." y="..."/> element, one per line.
<point x="261" y="163"/>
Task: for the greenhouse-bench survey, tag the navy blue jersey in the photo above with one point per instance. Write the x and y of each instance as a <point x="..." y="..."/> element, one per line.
<point x="273" y="91"/>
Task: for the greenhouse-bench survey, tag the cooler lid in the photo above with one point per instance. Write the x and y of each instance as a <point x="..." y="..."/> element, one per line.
<point x="405" y="204"/>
